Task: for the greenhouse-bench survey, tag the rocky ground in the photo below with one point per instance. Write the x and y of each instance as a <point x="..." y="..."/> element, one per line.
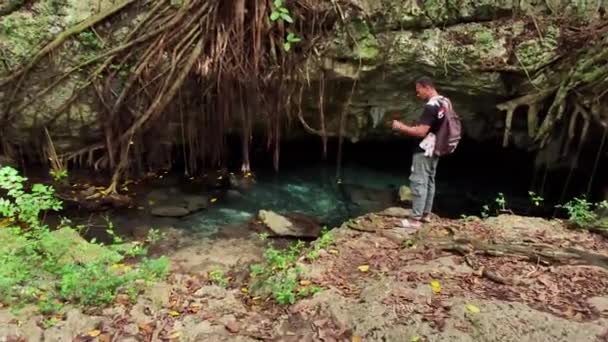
<point x="505" y="278"/>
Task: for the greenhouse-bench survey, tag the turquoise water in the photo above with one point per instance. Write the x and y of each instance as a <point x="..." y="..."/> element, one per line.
<point x="313" y="191"/>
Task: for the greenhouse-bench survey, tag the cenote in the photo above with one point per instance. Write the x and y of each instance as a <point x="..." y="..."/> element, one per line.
<point x="367" y="179"/>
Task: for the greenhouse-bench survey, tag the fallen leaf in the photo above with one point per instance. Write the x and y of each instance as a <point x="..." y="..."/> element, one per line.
<point x="363" y="268"/>
<point x="173" y="313"/>
<point x="415" y="339"/>
<point x="356" y="338"/>
<point x="213" y="200"/>
<point x="305" y="282"/>
<point x="145" y="328"/>
<point x="244" y="290"/>
<point x="472" y="308"/>
<point x="195" y="307"/>
<point x="175" y="334"/>
<point x="333" y="251"/>
<point x="435" y="286"/>
<point x="94" y="333"/>
<point x="105" y="338"/>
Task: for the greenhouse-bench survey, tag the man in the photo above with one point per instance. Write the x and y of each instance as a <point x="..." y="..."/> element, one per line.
<point x="424" y="162"/>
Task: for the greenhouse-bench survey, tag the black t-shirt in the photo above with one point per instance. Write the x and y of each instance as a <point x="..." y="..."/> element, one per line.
<point x="431" y="116"/>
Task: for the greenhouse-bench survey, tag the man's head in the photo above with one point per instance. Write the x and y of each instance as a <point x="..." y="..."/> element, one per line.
<point x="425" y="89"/>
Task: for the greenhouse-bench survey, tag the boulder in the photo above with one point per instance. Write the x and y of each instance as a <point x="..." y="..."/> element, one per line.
<point x="405" y="194"/>
<point x="169" y="211"/>
<point x="196" y="202"/>
<point x="294" y="225"/>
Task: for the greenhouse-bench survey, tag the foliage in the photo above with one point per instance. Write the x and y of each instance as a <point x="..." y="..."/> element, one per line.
<point x="501" y="206"/>
<point x="325" y="240"/>
<point x="218" y="278"/>
<point x="50" y="267"/>
<point x="280" y="12"/>
<point x="581" y="212"/>
<point x="536" y="199"/>
<point x="280" y="275"/>
<point x="59" y="175"/>
<point x="291" y="39"/>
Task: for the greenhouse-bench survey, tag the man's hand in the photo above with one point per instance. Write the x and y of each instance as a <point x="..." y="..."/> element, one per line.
<point x="419" y="131"/>
<point x="397" y="125"/>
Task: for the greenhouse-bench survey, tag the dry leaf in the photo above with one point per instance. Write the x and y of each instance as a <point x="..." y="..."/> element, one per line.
<point x="435" y="286"/>
<point x="94" y="333"/>
<point x="173" y="313"/>
<point x="105" y="338"/>
<point x="333" y="251"/>
<point x="356" y="338"/>
<point x="305" y="282"/>
<point x="472" y="308"/>
<point x="175" y="334"/>
<point x="363" y="268"/>
<point x="146" y="328"/>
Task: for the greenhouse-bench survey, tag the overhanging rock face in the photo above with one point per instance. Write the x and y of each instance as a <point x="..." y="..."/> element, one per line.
<point x="480" y="53"/>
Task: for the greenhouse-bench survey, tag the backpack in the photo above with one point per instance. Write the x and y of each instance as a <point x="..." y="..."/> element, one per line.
<point x="449" y="133"/>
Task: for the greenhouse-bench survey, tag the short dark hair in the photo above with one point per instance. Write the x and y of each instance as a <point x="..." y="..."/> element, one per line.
<point x="425" y="82"/>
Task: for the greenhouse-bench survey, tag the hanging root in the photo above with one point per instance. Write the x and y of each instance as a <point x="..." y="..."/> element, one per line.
<point x="590" y="72"/>
<point x="226" y="58"/>
<point x="532" y="101"/>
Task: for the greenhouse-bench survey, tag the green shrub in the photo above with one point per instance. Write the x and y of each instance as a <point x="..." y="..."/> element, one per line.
<point x="49" y="267"/>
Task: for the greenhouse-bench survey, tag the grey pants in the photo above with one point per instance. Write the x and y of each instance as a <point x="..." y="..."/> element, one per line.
<point x="422" y="184"/>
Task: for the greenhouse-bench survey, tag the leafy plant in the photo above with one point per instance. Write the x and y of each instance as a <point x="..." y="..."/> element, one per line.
<point x="59" y="175"/>
<point x="52" y="267"/>
<point x="501" y="202"/>
<point x="581" y="212"/>
<point x="280" y="12"/>
<point x="279" y="275"/>
<point x="485" y="211"/>
<point x="323" y="242"/>
<point x="22" y="206"/>
<point x="536" y="200"/>
<point x="218" y="278"/>
<point x="289" y="40"/>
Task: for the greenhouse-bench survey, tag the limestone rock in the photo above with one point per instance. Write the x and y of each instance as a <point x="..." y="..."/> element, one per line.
<point x="76" y="323"/>
<point x="159" y="294"/>
<point x="195" y="203"/>
<point x="169" y="211"/>
<point x="295" y="225"/>
<point x="69" y="247"/>
<point x="405" y="193"/>
<point x="396" y="212"/>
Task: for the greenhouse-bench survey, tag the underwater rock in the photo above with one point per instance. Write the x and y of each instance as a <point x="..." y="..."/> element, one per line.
<point x="169" y="211"/>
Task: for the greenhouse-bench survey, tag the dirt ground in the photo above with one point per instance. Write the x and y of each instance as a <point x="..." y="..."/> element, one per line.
<point x="505" y="278"/>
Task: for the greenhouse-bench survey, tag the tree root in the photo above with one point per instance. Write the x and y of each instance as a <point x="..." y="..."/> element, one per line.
<point x="532" y="101"/>
<point x="537" y="253"/>
<point x="89" y="22"/>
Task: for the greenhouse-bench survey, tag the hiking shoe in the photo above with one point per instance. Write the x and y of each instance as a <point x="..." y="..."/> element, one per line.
<point x="411" y="223"/>
<point x="426" y="218"/>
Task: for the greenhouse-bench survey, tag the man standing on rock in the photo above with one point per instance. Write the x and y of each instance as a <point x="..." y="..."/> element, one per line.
<point x="424" y="161"/>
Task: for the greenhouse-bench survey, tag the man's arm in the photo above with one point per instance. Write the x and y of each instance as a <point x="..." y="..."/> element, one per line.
<point x="424" y="124"/>
<point x="419" y="131"/>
